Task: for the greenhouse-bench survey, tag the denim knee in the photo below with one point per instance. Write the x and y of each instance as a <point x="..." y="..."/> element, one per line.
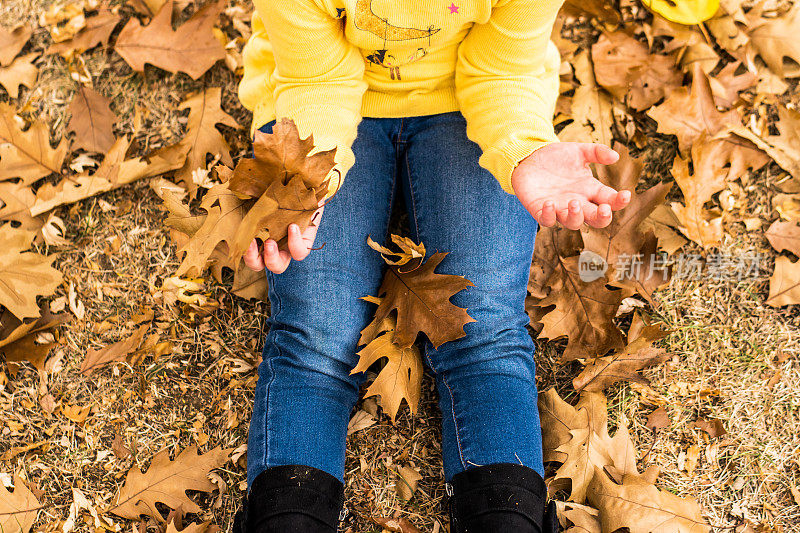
<point x="315" y="332"/>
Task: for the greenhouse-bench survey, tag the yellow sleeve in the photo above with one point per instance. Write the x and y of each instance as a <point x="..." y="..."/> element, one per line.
<point x="318" y="75"/>
<point x="507" y="83"/>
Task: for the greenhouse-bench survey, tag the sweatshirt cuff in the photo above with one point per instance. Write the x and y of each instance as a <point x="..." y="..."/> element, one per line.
<point x="502" y="161"/>
<point x="263" y="113"/>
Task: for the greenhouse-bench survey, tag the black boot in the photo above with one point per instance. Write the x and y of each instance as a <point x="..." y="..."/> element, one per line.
<point x="291" y="499"/>
<point x="500" y="498"/>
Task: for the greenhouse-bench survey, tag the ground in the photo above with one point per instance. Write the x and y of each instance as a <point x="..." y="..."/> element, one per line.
<point x="733" y="357"/>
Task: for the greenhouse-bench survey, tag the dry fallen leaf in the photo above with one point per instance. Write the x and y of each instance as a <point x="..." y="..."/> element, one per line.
<point x="421" y="298"/>
<point x="12" y="42"/>
<point x="713" y="426"/>
<point x="192" y="48"/>
<point x="406" y="482"/>
<point x="166" y="481"/>
<point x="636" y="504"/>
<point x="567" y="306"/>
<point x="688" y="114"/>
<point x="96" y="30"/>
<point x="624" y="239"/>
<point x="658" y="419"/>
<point x="25" y="275"/>
<point x="92" y="121"/>
<point x="396" y="525"/>
<point x="583" y="518"/>
<point x="784" y="284"/>
<point x="360" y="420"/>
<point x="775" y="40"/>
<point x="784" y="236"/>
<point x="783" y="148"/>
<point x="624" y="66"/>
<point x="400" y="378"/>
<point x="577" y="437"/>
<point x="115" y="352"/>
<point x="20" y="72"/>
<point x="27" y="154"/>
<point x="202" y="133"/>
<point x="18" y="509"/>
<point x="602" y="372"/>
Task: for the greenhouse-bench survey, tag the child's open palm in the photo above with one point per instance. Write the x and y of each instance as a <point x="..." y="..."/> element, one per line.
<point x="555" y="183"/>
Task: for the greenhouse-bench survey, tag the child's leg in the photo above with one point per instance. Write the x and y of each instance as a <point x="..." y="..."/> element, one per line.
<point x="486" y="380"/>
<point x="305" y="393"/>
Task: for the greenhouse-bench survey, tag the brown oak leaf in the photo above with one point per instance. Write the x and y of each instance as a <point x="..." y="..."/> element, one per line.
<point x="400" y="378"/>
<point x="13" y="41"/>
<point x="688" y="114"/>
<point x="20" y="72"/>
<point x="92" y="121"/>
<point x="18" y="509"/>
<point x="784" y="284"/>
<point x="421" y="299"/>
<point x="625" y="67"/>
<point x="635" y="504"/>
<point x="27" y="154"/>
<point x="602" y="372"/>
<point x="97" y="30"/>
<point x="623" y="240"/>
<point x="115" y="352"/>
<point x="24" y="275"/>
<point x="192" y="48"/>
<point x="784" y="236"/>
<point x="166" y="481"/>
<point x="205" y="113"/>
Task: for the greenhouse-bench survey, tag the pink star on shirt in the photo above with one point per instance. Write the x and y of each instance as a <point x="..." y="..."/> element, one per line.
<point x="453" y="8"/>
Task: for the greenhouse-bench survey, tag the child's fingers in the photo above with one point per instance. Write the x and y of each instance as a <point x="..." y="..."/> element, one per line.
<point x="597" y="216"/>
<point x="275" y="260"/>
<point x="605" y="195"/>
<point x="252" y="257"/>
<point x="598" y="153"/>
<point x="546" y="215"/>
<point x="572" y="217"/>
<point x="297" y="246"/>
<point x="622" y="199"/>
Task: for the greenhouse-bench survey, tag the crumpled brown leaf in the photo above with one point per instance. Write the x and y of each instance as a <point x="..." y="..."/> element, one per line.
<point x="602" y="372"/>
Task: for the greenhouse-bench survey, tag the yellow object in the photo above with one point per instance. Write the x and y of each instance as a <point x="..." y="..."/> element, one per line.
<point x="341" y="60"/>
<point x="686" y="12"/>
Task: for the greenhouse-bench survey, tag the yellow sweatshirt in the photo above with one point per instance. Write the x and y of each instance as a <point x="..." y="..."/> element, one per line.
<point x="328" y="63"/>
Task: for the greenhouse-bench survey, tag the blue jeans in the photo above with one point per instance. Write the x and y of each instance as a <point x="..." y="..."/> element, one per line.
<point x="486" y="380"/>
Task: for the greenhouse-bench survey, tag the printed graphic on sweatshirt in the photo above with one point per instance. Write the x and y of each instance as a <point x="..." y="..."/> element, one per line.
<point x="388" y="59"/>
<point x="366" y="19"/>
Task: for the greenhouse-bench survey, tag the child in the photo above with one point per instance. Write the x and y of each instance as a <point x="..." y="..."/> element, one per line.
<point x="450" y="103"/>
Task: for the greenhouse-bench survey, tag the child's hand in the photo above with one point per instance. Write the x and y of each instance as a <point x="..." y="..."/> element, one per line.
<point x="300" y="245"/>
<point x="555" y="183"/>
